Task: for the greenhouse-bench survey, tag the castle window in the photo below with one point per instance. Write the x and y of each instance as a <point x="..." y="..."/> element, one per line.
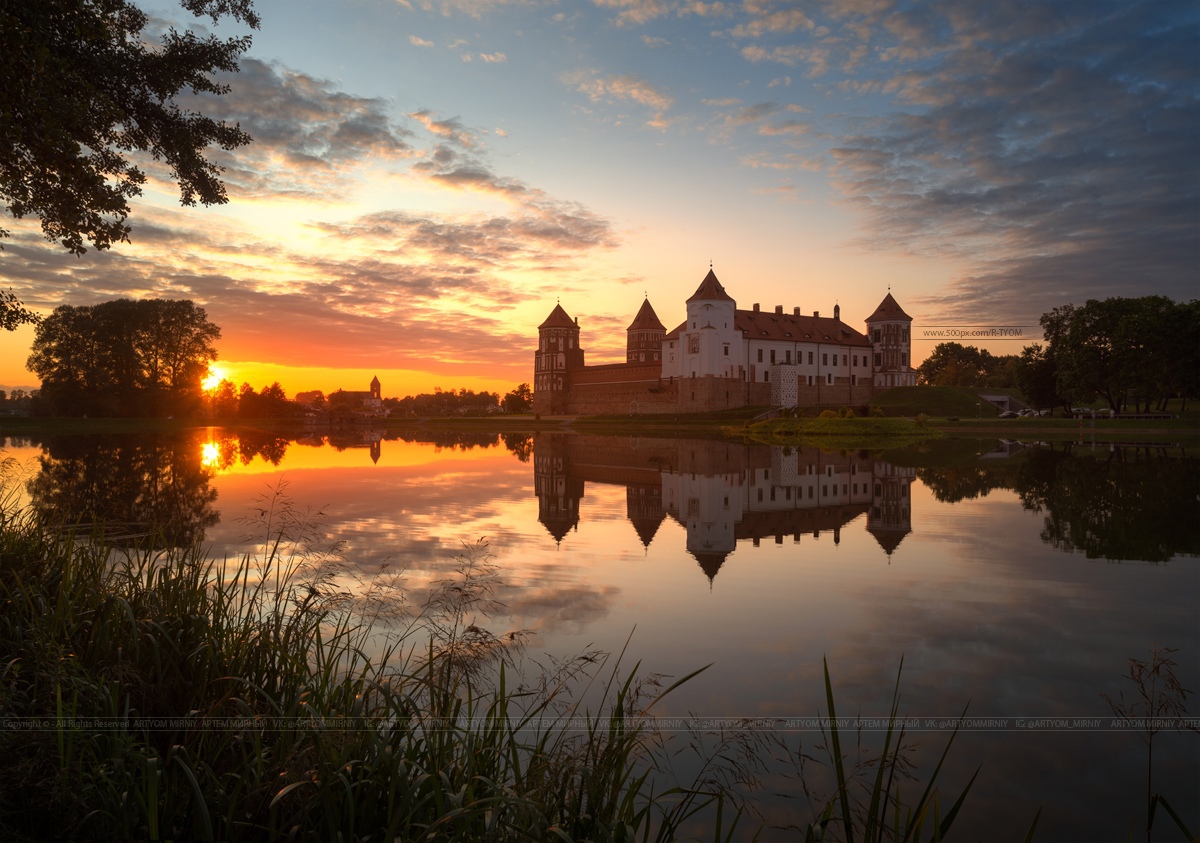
<point x="878" y="359"/>
<point x="726" y="347"/>
<point x="854" y="380"/>
<point x="810" y="355"/>
<point x="787" y="357"/>
<point x="843" y="359"/>
<point x="694" y="343"/>
<point x="772" y="357"/>
<point x="855" y="359"/>
<point x="829" y="377"/>
<point x="766" y="376"/>
<point x="824" y="359"/>
<point x="903" y="359"/>
<point x="760" y="355"/>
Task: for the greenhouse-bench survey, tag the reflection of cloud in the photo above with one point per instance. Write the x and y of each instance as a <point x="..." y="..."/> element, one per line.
<point x="565" y="609"/>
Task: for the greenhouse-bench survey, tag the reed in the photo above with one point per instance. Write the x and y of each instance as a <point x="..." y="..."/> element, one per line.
<point x="169" y="695"/>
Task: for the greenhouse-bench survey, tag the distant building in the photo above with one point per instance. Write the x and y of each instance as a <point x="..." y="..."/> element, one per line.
<point x="722" y="357"/>
<point x="360" y="403"/>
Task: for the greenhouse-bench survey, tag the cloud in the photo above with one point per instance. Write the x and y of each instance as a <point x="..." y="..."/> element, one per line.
<point x="449" y="129"/>
<point x="307" y="136"/>
<point x="419" y="42"/>
<point x="635" y="11"/>
<point x="1056" y="153"/>
<point x="493" y="58"/>
<point x="624" y="88"/>
<point x="817" y="58"/>
<point x="766" y="18"/>
<point x="782" y="81"/>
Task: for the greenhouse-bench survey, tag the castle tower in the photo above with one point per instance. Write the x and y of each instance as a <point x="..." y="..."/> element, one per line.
<point x="558" y="353"/>
<point x="645" y="336"/>
<point x="890" y="517"/>
<point x="375" y="388"/>
<point x="711" y="345"/>
<point x="558" y="492"/>
<point x="888" y="329"/>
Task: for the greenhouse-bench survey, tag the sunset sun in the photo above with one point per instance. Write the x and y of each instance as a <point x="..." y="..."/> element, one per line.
<point x="213" y="379"/>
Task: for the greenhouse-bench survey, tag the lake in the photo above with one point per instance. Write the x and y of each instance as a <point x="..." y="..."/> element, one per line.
<point x="1015" y="580"/>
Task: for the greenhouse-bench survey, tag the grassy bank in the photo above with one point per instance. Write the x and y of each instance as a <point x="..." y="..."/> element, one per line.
<point x="837" y="432"/>
<point x="165" y="695"/>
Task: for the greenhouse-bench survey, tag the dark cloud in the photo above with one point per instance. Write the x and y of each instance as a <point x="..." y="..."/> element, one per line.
<point x="1053" y="146"/>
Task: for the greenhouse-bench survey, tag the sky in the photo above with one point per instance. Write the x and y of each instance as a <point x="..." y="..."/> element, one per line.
<point x="427" y="179"/>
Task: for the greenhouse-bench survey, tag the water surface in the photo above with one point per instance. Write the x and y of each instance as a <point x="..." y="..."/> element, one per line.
<point x="1016" y="579"/>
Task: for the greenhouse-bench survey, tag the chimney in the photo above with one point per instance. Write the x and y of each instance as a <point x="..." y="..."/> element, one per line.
<point x="837" y="312"/>
<point x="795" y="311"/>
<point x="756" y="307"/>
<point x="816" y="314"/>
<point x="779" y="309"/>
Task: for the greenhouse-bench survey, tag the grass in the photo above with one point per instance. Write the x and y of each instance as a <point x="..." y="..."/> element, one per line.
<point x="171" y="696"/>
<point x="936" y="401"/>
<point x="837" y="432"/>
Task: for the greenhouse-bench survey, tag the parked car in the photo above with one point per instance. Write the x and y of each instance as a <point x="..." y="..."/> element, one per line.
<point x="1008" y="414"/>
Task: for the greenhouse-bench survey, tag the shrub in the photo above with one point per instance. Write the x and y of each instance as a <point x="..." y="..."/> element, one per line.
<point x="829" y="414"/>
<point x="876" y="412"/>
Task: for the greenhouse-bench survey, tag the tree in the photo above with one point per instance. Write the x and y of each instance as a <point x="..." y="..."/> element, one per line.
<point x="1131" y="351"/>
<point x="13" y="314"/>
<point x="83" y="88"/>
<point x="520" y="400"/>
<point x="1036" y="377"/>
<point x="123" y="358"/>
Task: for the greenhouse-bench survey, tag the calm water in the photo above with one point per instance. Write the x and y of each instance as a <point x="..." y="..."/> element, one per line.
<point x="1017" y="579"/>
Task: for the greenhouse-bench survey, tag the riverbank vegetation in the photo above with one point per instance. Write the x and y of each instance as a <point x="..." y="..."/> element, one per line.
<point x="166" y="695"/>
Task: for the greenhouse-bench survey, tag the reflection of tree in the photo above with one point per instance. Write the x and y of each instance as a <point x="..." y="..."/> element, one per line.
<point x="520" y="444"/>
<point x="261" y="443"/>
<point x="1130" y="503"/>
<point x="951" y="484"/>
<point x="452" y="441"/>
<point x="1122" y="503"/>
<point x="152" y="486"/>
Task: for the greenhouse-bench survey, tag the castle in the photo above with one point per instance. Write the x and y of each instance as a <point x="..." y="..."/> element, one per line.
<point x="722" y="358"/>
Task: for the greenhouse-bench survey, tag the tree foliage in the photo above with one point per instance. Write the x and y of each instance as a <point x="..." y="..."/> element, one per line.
<point x="1134" y="353"/>
<point x="464" y="402"/>
<point x="123" y="358"/>
<point x="954" y="364"/>
<point x="13" y="314"/>
<point x="85" y="95"/>
<point x="520" y="400"/>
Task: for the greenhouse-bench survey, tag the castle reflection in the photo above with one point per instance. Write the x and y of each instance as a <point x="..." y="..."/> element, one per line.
<point x="722" y="493"/>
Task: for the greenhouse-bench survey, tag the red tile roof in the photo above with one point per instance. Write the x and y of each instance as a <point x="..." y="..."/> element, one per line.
<point x="764" y="325"/>
<point x="558" y="318"/>
<point x="710" y="289"/>
<point x="889" y="308"/>
<point x="646" y="319"/>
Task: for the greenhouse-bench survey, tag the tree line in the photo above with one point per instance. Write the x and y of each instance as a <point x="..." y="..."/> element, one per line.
<point x="1133" y="353"/>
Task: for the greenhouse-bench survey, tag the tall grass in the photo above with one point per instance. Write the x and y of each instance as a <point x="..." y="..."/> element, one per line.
<point x="160" y="695"/>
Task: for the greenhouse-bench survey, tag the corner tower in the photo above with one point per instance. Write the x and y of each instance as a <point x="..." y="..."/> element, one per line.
<point x="889" y="329"/>
<point x="558" y="353"/>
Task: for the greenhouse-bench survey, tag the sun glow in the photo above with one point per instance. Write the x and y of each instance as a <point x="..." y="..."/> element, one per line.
<point x="210" y="454"/>
<point x="215" y="375"/>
